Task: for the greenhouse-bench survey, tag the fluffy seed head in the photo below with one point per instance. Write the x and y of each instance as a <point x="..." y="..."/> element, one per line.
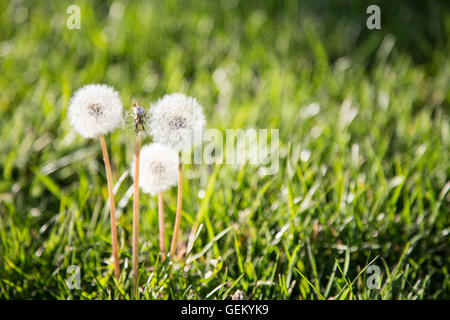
<point x="95" y="109"/>
<point x="174" y="119"/>
<point x="158" y="169"/>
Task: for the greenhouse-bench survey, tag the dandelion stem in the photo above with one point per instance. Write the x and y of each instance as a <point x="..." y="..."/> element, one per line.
<point x="162" y="245"/>
<point x="136" y="216"/>
<point x="112" y="208"/>
<point x="178" y="214"/>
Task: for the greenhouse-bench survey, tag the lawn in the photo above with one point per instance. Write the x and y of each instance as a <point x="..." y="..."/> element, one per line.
<point x="364" y="178"/>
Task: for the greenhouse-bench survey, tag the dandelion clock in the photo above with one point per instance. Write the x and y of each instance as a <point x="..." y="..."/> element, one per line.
<point x="158" y="171"/>
<point x="174" y="121"/>
<point x="95" y="110"/>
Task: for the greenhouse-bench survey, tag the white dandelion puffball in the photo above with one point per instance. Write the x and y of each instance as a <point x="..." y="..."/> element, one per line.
<point x="158" y="170"/>
<point x="174" y="119"/>
<point x="95" y="109"/>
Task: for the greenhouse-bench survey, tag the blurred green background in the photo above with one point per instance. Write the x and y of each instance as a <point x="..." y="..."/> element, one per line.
<point x="364" y="133"/>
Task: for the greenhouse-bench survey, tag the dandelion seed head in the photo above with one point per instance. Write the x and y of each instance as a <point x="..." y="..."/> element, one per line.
<point x="139" y="117"/>
<point x="95" y="109"/>
<point x="174" y="119"/>
<point x="158" y="170"/>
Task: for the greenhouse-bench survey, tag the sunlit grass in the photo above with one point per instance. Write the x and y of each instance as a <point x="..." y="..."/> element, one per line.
<point x="364" y="166"/>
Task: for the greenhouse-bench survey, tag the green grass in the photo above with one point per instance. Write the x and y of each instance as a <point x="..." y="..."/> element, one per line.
<point x="373" y="189"/>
